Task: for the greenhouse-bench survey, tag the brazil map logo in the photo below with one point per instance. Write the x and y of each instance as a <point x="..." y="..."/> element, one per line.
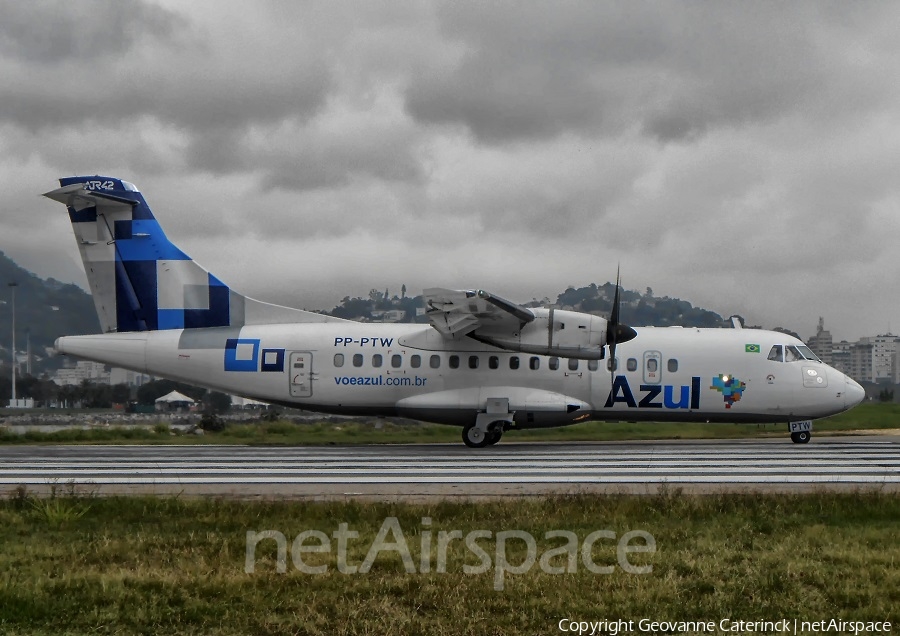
<point x="730" y="387"/>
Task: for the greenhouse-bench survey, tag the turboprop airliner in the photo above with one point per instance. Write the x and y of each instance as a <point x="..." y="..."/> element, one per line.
<point x="482" y="363"/>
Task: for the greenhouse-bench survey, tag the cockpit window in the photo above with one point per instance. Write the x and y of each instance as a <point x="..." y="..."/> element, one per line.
<point x="791" y="353"/>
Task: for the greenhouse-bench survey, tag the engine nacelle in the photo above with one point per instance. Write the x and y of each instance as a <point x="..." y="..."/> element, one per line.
<point x="554" y="332"/>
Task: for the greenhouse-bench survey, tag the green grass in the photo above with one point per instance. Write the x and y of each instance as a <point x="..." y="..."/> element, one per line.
<point x="869" y="416"/>
<point x="174" y="566"/>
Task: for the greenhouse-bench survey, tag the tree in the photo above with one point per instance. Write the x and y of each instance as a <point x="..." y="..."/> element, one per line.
<point x="121" y="393"/>
<point x="218" y="402"/>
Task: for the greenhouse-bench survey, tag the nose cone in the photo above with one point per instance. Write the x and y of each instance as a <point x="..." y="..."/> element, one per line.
<point x="853" y="393"/>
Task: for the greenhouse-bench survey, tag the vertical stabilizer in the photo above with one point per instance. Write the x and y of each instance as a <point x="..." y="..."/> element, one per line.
<point x="141" y="281"/>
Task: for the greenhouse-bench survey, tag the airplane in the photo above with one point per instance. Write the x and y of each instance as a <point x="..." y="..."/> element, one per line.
<point x="483" y="363"/>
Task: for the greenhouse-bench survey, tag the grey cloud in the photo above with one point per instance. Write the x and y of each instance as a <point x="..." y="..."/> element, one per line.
<point x="198" y="98"/>
<point x="536" y="71"/>
<point x="52" y="31"/>
<point x="332" y="166"/>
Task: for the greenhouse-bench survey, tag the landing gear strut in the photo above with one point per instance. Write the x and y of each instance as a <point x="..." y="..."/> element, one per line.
<point x="801" y="437"/>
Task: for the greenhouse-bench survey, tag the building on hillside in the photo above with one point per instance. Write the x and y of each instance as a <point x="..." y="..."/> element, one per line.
<point x="390" y="315"/>
<point x="821" y="343"/>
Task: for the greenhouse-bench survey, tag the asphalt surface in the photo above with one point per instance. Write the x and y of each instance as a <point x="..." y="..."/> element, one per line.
<point x="412" y="472"/>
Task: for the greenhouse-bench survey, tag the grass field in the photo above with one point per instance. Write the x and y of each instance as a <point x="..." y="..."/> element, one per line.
<point x="868" y="416"/>
<point x="171" y="566"/>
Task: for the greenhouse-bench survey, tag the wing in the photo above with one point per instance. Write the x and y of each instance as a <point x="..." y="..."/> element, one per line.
<point x="456" y="313"/>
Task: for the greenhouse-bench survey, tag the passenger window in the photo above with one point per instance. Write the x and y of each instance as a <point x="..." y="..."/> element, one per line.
<point x="631" y="364"/>
<point x="415" y="361"/>
<point x="473" y="362"/>
<point x="377" y="360"/>
<point x="775" y="353"/>
<point x="652" y="365"/>
<point x="673" y="365"/>
<point x="514" y="362"/>
<point x="396" y="360"/>
<point x="357" y="359"/>
<point x="573" y="364"/>
<point x="534" y="363"/>
<point x="613" y="364"/>
<point x="493" y="362"/>
<point x="553" y="364"/>
<point x="435" y="362"/>
<point x="339" y="359"/>
<point x="593" y="365"/>
<point x="454" y="362"/>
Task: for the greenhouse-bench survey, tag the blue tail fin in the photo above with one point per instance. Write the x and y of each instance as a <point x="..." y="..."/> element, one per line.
<point x="139" y="279"/>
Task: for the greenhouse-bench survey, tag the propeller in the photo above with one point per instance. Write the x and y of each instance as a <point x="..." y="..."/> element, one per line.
<point x="616" y="332"/>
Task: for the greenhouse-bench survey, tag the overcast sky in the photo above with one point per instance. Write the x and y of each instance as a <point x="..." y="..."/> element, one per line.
<point x="744" y="156"/>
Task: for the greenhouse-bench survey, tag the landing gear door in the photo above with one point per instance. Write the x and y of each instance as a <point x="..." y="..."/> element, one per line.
<point x="301" y="374"/>
<point x="652" y="367"/>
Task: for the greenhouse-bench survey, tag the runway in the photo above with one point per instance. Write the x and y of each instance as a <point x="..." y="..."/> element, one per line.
<point x="440" y="470"/>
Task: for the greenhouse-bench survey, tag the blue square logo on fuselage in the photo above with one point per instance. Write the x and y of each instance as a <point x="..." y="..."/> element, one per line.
<point x="272" y="360"/>
<point x="241" y="354"/>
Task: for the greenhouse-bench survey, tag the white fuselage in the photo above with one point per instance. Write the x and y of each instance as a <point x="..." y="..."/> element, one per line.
<point x="680" y="374"/>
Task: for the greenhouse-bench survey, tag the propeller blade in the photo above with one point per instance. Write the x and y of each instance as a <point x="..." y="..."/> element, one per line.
<point x="616" y="332"/>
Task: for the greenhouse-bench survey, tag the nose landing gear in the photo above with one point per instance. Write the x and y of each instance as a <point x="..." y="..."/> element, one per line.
<point x="800" y="431"/>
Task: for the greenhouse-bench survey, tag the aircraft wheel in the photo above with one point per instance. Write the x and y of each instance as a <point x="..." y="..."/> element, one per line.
<point x="474" y="437"/>
<point x="801" y="437"/>
<point x="494" y="437"/>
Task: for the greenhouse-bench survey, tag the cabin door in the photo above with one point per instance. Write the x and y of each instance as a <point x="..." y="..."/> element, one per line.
<point x="301" y="373"/>
<point x="652" y="367"/>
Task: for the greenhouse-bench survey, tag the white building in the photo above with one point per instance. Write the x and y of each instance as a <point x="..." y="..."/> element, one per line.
<point x="883" y="348"/>
<point x="822" y="344"/>
<point x="83" y="370"/>
<point x="127" y="376"/>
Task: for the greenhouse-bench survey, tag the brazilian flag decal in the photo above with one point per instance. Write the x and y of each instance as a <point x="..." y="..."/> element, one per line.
<point x="751" y="348"/>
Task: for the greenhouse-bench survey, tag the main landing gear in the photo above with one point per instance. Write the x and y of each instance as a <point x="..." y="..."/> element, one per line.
<point x="474" y="437"/>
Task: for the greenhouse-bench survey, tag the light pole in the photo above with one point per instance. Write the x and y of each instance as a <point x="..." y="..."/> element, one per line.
<point x="12" y="287"/>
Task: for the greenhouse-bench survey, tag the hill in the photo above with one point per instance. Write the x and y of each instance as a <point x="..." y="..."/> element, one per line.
<point x="640" y="310"/>
<point x="45" y="309"/>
